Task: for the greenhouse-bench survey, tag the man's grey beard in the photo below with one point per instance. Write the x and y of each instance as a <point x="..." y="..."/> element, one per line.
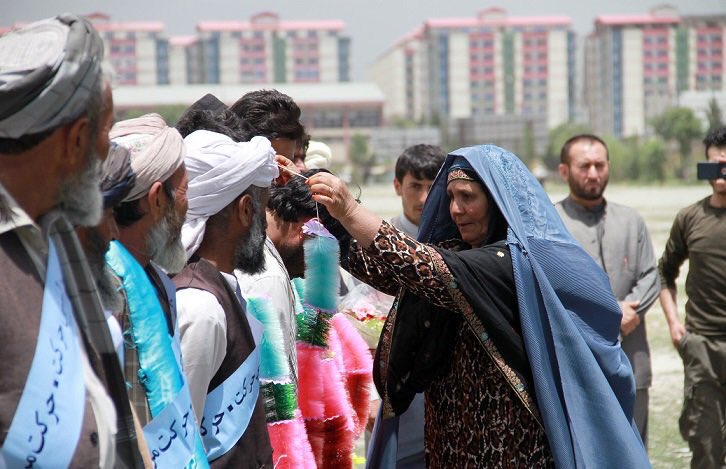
<point x="80" y="196"/>
<point x="249" y="254"/>
<point x="164" y="242"/>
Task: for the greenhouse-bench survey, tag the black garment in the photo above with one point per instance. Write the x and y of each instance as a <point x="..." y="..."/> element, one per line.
<point x="424" y="336"/>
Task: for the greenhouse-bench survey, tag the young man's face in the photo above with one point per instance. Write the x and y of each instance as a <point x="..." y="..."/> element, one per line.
<point x="717" y="155"/>
<point x="413" y="192"/>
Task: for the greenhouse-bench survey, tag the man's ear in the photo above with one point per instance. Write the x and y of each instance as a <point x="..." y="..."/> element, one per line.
<point x="564" y="171"/>
<point x="77" y="143"/>
<point x="245" y="212"/>
<point x="157" y="200"/>
<point x="397" y="186"/>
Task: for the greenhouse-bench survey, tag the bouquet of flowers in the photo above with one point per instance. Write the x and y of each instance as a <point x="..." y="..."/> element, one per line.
<point x="367" y="309"/>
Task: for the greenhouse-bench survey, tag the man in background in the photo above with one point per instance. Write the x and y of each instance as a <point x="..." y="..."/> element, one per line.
<point x="415" y="171"/>
<point x="615" y="236"/>
<point x="699" y="235"/>
<point x="271" y="114"/>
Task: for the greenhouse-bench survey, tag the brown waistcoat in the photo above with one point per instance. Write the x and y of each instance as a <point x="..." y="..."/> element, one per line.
<point x="253" y="449"/>
<point x="21" y="301"/>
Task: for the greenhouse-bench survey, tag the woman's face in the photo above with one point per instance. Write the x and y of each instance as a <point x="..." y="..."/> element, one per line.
<point x="469" y="208"/>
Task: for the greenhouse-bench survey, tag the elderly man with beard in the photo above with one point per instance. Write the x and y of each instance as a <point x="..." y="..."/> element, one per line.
<point x="224" y="230"/>
<point x="55" y="111"/>
<point x="615" y="236"/>
<point x="149" y="220"/>
<point x="117" y="179"/>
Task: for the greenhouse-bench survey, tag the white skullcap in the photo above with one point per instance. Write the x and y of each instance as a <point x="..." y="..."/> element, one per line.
<point x="318" y="155"/>
<point x="219" y="170"/>
<point x="157" y="150"/>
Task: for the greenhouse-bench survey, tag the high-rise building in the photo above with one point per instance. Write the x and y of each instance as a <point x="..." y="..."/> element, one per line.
<point x="266" y="49"/>
<point x="137" y="50"/>
<point x="492" y="64"/>
<point x="637" y="65"/>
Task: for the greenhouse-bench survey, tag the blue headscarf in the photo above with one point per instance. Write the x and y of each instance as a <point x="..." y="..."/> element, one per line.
<point x="570" y="319"/>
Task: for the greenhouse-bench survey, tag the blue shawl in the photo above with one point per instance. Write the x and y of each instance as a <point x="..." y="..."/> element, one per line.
<point x="570" y="319"/>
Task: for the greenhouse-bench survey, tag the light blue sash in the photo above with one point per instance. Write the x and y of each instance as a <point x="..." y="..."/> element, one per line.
<point x="228" y="408"/>
<point x="172" y="435"/>
<point x="48" y="421"/>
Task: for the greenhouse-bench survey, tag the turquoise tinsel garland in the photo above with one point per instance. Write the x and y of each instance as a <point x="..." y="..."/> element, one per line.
<point x="158" y="368"/>
<point x="319" y="290"/>
<point x="273" y="360"/>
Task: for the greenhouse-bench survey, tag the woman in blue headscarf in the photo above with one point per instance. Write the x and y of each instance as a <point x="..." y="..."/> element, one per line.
<point x="500" y="317"/>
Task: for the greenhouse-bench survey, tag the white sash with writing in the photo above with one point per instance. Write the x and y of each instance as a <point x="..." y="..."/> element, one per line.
<point x="170" y="435"/>
<point x="229" y="407"/>
<point x="47" y="423"/>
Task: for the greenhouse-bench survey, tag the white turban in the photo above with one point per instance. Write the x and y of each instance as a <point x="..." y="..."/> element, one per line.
<point x="219" y="171"/>
<point x="318" y="155"/>
<point x="157" y="150"/>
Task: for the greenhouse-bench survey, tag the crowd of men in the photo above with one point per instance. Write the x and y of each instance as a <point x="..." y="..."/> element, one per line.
<point x="128" y="250"/>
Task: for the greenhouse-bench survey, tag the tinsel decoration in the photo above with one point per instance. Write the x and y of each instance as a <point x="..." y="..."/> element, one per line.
<point x="290" y="445"/>
<point x="313" y="326"/>
<point x="330" y="418"/>
<point x="280" y="401"/>
<point x="273" y="365"/>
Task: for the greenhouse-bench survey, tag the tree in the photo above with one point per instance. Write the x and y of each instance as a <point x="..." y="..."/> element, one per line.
<point x="557" y="137"/>
<point x="652" y="160"/>
<point x="528" y="150"/>
<point x="679" y="124"/>
<point x="360" y="157"/>
<point x="714" y="116"/>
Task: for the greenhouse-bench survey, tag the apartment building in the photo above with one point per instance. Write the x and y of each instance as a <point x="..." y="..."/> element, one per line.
<point x="491" y="64"/>
<point x="636" y="66"/>
<point x="266" y="49"/>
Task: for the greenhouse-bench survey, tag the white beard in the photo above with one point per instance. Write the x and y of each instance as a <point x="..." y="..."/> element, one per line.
<point x="80" y="196"/>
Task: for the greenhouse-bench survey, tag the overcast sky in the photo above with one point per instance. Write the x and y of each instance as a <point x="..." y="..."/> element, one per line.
<point x="373" y="25"/>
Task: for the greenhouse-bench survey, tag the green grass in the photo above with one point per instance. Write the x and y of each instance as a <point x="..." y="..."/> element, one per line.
<point x="658" y="205"/>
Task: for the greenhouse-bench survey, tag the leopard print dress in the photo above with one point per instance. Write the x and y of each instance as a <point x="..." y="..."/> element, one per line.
<point x="474" y="417"/>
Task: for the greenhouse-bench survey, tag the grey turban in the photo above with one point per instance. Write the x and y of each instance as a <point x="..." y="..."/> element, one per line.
<point x="157" y="150"/>
<point x="117" y="177"/>
<point x="48" y="70"/>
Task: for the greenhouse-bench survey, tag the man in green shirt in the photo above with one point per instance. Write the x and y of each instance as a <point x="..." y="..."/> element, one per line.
<point x="699" y="235"/>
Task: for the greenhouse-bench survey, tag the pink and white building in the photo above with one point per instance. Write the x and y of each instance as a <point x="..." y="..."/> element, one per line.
<point x="137" y="50"/>
<point x="266" y="49"/>
<point x="492" y="64"/>
<point x="637" y="65"/>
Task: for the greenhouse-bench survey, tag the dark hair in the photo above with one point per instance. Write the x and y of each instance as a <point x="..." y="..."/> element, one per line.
<point x="715" y="138"/>
<point x="223" y="122"/>
<point x="294" y="200"/>
<point x="305" y="143"/>
<point x="565" y="152"/>
<point x="94" y="108"/>
<point x="421" y="161"/>
<point x="270" y="114"/>
<point x="128" y="213"/>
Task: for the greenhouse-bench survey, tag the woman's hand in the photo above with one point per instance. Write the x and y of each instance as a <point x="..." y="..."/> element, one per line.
<point x="288" y="170"/>
<point x="356" y="219"/>
<point x="330" y="191"/>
